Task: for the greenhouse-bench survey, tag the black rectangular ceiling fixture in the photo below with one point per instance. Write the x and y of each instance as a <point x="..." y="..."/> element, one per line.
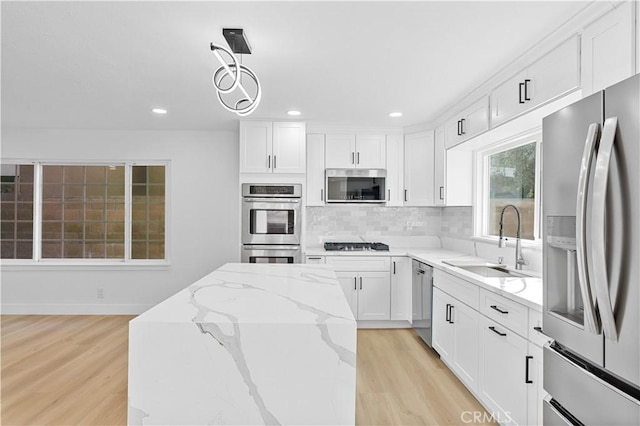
<point x="236" y="40"/>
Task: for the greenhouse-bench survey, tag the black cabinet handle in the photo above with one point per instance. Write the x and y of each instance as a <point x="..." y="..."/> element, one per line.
<point x="520" y="87"/>
<point x="492" y="328"/>
<point x="274" y="161"/>
<point x="459" y="131"/>
<point x="442" y="192"/>
<point x="314" y="258"/>
<point x="462" y="132"/>
<point x="526" y="369"/>
<point x="494" y="307"/>
<point x="451" y="314"/>
<point x="360" y="283"/>
<point x="355" y="283"/>
<point x="353" y="158"/>
<point x="388" y="195"/>
<point x="268" y="161"/>
<point x="394" y="268"/>
<point x="447" y="316"/>
<point x="538" y="329"/>
<point x="358" y="158"/>
<point x="321" y="194"/>
<point x="526" y="87"/>
<point x="405" y="195"/>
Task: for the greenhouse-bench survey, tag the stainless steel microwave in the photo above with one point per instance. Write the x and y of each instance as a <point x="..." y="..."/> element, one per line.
<point x="355" y="185"/>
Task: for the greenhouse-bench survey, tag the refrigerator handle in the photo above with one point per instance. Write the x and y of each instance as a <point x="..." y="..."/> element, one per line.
<point x="591" y="320"/>
<point x="598" y="266"/>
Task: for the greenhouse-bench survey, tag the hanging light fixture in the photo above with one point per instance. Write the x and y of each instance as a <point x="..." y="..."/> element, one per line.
<point x="227" y="79"/>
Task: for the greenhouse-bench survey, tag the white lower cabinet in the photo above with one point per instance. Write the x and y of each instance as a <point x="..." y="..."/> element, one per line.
<point x="502" y="372"/>
<point x="401" y="288"/>
<point x="493" y="346"/>
<point x="455" y="336"/>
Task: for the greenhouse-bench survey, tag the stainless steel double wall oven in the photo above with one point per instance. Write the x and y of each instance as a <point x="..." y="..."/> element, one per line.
<point x="271" y="223"/>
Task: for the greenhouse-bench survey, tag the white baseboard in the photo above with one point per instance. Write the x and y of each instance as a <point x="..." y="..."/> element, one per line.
<point x="384" y="324"/>
<point x="73" y="309"/>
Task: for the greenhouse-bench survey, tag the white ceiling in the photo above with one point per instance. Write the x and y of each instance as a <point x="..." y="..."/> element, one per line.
<point x="106" y="64"/>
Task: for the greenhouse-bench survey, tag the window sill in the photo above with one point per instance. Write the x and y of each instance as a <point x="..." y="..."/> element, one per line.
<point x="511" y="242"/>
<point x="53" y="265"/>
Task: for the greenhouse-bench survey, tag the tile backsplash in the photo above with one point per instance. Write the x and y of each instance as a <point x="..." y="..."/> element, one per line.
<point x="371" y="221"/>
<point x="457" y="222"/>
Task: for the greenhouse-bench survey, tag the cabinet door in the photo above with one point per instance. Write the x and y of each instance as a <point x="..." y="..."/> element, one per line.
<point x="349" y="282"/>
<point x="607" y="50"/>
<point x="507" y="100"/>
<point x="440" y="159"/>
<point x="418" y="169"/>
<point x="374" y="291"/>
<point x="536" y="393"/>
<point x="452" y="132"/>
<point x="475" y="119"/>
<point x="256" y="143"/>
<point x="395" y="170"/>
<point x="554" y="75"/>
<point x="502" y="372"/>
<point x="340" y="150"/>
<point x="315" y="170"/>
<point x="401" y="288"/>
<point x="288" y="147"/>
<point x="371" y="151"/>
<point x="442" y="337"/>
<point x="459" y="181"/>
<point x="465" y="343"/>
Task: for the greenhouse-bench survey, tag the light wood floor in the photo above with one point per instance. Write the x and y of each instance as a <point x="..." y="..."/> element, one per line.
<point x="62" y="370"/>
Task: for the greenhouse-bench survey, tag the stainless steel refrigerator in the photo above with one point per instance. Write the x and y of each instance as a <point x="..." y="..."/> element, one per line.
<point x="591" y="249"/>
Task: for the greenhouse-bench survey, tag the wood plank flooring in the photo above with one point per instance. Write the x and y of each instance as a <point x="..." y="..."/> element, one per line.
<point x="63" y="370"/>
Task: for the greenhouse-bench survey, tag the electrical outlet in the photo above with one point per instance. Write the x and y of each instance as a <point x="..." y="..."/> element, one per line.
<point x="100" y="293"/>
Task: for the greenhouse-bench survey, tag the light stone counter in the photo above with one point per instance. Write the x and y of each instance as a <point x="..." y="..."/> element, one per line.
<point x="246" y="344"/>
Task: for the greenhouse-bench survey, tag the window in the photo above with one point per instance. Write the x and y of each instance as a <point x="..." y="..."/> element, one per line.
<point x="83" y="211"/>
<point x="510" y="177"/>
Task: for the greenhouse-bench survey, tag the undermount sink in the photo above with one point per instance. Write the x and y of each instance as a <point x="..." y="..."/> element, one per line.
<point x="484" y="269"/>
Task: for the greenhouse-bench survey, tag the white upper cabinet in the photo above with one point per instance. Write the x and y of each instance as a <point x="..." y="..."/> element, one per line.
<point x="608" y="54"/>
<point x="340" y="150"/>
<point x="371" y="151"/>
<point x="469" y="123"/>
<point x="418" y="169"/>
<point x="348" y="151"/>
<point x="395" y="167"/>
<point x="439" y="170"/>
<point x="315" y="170"/>
<point x="256" y="142"/>
<point x="267" y="147"/>
<point x="552" y="76"/>
<point x="288" y="147"/>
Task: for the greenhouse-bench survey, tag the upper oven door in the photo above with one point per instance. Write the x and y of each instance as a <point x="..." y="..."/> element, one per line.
<point x="271" y="221"/>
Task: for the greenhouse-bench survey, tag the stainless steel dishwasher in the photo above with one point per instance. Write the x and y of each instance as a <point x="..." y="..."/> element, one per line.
<point x="422" y="296"/>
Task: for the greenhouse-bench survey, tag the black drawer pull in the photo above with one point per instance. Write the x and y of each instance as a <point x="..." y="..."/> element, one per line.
<point x="447" y="316"/>
<point x="494" y="307"/>
<point x="526" y="369"/>
<point x="451" y="314"/>
<point x="538" y="329"/>
<point x="492" y="328"/>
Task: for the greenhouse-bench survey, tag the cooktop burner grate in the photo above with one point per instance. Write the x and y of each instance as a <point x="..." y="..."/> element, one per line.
<point x="336" y="246"/>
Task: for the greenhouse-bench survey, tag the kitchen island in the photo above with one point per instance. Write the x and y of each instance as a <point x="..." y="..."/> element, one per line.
<point x="246" y="344"/>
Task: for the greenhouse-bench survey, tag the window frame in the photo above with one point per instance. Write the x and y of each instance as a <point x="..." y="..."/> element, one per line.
<point x="480" y="212"/>
<point x="127" y="261"/>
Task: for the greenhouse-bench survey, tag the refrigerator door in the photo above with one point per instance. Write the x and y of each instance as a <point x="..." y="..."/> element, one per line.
<point x="622" y="230"/>
<point x="570" y="139"/>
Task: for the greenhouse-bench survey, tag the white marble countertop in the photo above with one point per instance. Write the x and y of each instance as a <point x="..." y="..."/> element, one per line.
<point x="246" y="344"/>
<point x="524" y="290"/>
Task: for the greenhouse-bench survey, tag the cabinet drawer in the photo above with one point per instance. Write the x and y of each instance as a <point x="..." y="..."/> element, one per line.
<point x="359" y="263"/>
<point x="504" y="311"/>
<point x="535" y="321"/>
<point x="460" y="289"/>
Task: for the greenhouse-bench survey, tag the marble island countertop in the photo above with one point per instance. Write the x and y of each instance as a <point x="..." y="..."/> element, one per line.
<point x="246" y="344"/>
<point x="526" y="290"/>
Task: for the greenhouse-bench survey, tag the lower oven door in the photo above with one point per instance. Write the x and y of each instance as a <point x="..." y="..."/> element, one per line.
<point x="271" y="254"/>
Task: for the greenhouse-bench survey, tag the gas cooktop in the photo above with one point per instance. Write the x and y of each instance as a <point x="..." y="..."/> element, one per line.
<point x="335" y="246"/>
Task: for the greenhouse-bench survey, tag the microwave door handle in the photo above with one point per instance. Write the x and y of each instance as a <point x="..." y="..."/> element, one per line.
<point x="598" y="229"/>
<point x="591" y="320"/>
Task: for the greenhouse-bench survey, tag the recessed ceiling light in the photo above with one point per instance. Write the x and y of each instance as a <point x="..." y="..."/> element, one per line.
<point x="159" y="110"/>
<point x="294" y="112"/>
<point x="395" y="114"/>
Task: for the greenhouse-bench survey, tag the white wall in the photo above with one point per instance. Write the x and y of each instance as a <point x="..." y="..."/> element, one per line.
<point x="204" y="219"/>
